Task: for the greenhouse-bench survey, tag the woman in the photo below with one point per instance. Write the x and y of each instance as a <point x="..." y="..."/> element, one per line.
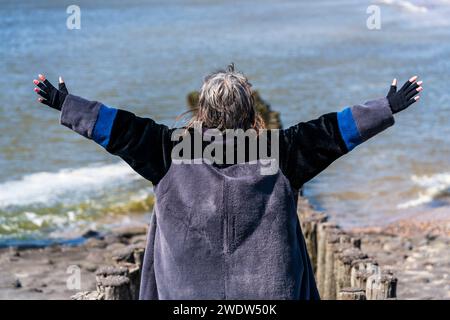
<point x="225" y="229"/>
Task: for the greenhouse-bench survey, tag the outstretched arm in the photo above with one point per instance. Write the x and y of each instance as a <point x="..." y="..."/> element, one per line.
<point x="312" y="146"/>
<point x="141" y="142"/>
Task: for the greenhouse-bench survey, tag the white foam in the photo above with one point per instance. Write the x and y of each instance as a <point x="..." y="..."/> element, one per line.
<point x="48" y="187"/>
<point x="433" y="186"/>
<point x="405" y="5"/>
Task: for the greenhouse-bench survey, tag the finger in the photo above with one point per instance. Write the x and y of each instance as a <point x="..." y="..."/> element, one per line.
<point x="43" y="94"/>
<point x="412" y="88"/>
<point x="40" y="85"/>
<point x="413" y="100"/>
<point x="48" y="84"/>
<point x="392" y="90"/>
<point x="62" y="85"/>
<point x="393" y="87"/>
<point x="44" y="101"/>
<point x="394" y="82"/>
<point x="409" y="82"/>
<point x="41" y="77"/>
<point x="406" y="85"/>
<point x="413" y="93"/>
<point x="413" y="79"/>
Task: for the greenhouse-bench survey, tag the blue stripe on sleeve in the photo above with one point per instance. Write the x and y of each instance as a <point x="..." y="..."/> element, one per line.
<point x="103" y="125"/>
<point x="348" y="128"/>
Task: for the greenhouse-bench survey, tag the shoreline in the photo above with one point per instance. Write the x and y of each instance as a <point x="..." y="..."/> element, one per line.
<point x="44" y="273"/>
<point x="415" y="251"/>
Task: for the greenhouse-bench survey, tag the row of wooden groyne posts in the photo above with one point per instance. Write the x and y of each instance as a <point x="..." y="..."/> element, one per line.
<point x="342" y="270"/>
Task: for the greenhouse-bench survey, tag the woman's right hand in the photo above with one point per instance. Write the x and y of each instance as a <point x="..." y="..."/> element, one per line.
<point x="51" y="96"/>
<point x="406" y="96"/>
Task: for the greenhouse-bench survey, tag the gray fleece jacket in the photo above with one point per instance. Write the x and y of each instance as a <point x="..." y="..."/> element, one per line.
<point x="226" y="231"/>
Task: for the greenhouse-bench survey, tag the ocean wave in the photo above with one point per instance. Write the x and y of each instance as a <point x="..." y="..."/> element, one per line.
<point x="405" y="5"/>
<point x="49" y="187"/>
<point x="434" y="187"/>
<point x="64" y="203"/>
<point x="421" y="13"/>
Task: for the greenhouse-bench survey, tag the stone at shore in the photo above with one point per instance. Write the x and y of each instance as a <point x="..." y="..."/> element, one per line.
<point x="130" y="231"/>
<point x="90" y="234"/>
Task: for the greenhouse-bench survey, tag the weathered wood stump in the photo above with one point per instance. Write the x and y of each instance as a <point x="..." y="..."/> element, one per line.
<point x="343" y="266"/>
<point x="329" y="281"/>
<point x="352" y="294"/>
<point x="132" y="254"/>
<point x="106" y="271"/>
<point x="309" y="224"/>
<point x="134" y="276"/>
<point x="114" y="287"/>
<point x="361" y="270"/>
<point x="381" y="286"/>
<point x="88" y="295"/>
<point x="113" y="282"/>
<point x="322" y="231"/>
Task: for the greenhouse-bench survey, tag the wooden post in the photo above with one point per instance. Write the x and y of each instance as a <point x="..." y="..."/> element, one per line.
<point x="139" y="253"/>
<point x="329" y="284"/>
<point x="88" y="295"/>
<point x="307" y="225"/>
<point x="381" y="286"/>
<point x="132" y="254"/>
<point x="114" y="287"/>
<point x="113" y="282"/>
<point x="343" y="266"/>
<point x="134" y="275"/>
<point x="356" y="242"/>
<point x="321" y="247"/>
<point x="373" y="268"/>
<point x="360" y="271"/>
<point x="111" y="271"/>
<point x="352" y="294"/>
<point x="310" y="224"/>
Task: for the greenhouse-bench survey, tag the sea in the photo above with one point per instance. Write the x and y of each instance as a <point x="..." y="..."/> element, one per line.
<point x="306" y="58"/>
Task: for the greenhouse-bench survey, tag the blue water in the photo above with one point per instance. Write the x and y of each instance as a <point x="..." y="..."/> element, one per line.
<point x="306" y="58"/>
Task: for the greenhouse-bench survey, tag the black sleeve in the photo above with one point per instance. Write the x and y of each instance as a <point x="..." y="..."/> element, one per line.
<point x="144" y="144"/>
<point x="309" y="147"/>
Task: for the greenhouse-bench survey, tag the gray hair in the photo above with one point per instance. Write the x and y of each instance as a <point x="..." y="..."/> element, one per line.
<point x="226" y="102"/>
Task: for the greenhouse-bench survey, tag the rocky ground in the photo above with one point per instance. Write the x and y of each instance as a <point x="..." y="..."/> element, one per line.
<point x="418" y="253"/>
<point x="48" y="273"/>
